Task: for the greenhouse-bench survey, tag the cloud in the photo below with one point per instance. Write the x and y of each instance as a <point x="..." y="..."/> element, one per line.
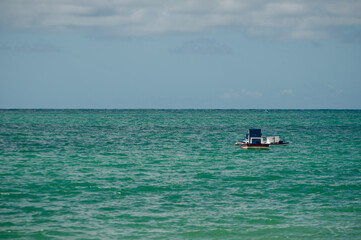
<point x="230" y="95"/>
<point x="38" y="47"/>
<point x="334" y="90"/>
<point x="203" y="46"/>
<point x="252" y="94"/>
<point x="244" y="94"/>
<point x="295" y="19"/>
<point x="287" y="92"/>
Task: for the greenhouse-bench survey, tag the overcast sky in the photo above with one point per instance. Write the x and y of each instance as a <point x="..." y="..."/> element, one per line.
<point x="180" y="54"/>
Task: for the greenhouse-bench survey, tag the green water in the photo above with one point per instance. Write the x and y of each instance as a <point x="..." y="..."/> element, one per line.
<point x="176" y="174"/>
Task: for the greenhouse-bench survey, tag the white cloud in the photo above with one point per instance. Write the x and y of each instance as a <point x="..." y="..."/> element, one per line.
<point x="275" y="18"/>
<point x="231" y="95"/>
<point x="37" y="47"/>
<point x="251" y="94"/>
<point x="287" y="92"/>
<point x="244" y="94"/>
<point x="203" y="46"/>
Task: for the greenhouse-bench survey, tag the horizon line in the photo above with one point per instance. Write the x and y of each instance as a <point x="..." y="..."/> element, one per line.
<point x="180" y="109"/>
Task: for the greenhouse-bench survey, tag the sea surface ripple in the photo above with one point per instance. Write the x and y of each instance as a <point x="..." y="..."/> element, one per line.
<point x="176" y="174"/>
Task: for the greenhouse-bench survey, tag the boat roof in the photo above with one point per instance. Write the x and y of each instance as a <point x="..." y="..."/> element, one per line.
<point x="254" y="132"/>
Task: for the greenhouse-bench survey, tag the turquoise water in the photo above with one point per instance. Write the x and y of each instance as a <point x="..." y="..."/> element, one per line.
<point x="176" y="174"/>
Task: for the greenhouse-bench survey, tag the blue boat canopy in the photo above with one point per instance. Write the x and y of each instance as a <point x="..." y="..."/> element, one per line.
<point x="254" y="133"/>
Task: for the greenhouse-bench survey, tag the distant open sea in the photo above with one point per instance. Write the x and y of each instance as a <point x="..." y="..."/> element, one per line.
<point x="176" y="174"/>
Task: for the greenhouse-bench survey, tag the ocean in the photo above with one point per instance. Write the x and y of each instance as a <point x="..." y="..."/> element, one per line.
<point x="176" y="174"/>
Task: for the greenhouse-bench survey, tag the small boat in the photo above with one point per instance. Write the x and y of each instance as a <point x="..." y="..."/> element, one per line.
<point x="254" y="140"/>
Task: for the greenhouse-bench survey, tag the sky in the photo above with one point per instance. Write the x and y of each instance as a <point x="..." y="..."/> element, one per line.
<point x="189" y="54"/>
